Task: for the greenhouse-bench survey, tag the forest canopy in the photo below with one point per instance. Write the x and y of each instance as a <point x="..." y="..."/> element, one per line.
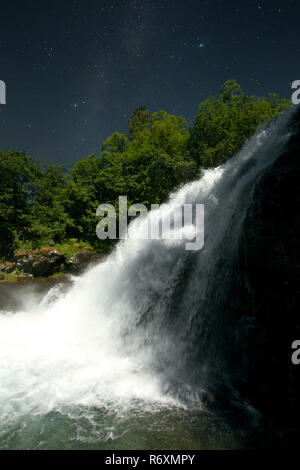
<point x="40" y="203"/>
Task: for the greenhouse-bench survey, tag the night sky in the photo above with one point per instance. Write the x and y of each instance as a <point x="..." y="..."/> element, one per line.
<point x="76" y="70"/>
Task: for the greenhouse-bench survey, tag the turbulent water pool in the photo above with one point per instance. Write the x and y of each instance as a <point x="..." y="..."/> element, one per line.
<point x="79" y="389"/>
<point x="68" y="383"/>
<point x="141" y="427"/>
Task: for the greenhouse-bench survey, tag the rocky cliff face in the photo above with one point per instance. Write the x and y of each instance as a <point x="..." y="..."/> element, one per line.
<point x="268" y="290"/>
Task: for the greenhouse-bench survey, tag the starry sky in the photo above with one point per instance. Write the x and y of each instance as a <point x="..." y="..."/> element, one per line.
<point x="75" y="70"/>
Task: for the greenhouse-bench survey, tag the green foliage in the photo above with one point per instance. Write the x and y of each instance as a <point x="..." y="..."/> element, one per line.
<point x="117" y="143"/>
<point x="39" y="203"/>
<point x="144" y="166"/>
<point x="138" y="121"/>
<point x="224" y="122"/>
<point x="48" y="218"/>
<point x="67" y="248"/>
<point x="16" y="174"/>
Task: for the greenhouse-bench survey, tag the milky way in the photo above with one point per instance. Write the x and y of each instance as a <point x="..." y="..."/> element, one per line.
<point x="76" y="70"/>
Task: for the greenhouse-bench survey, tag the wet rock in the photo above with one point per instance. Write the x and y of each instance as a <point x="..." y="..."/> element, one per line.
<point x="40" y="266"/>
<point x="82" y="260"/>
<point x="25" y="264"/>
<point x="46" y="266"/>
<point x="57" y="255"/>
<point x="25" y="277"/>
<point x="269" y="292"/>
<point x="257" y="317"/>
<point x="9" y="269"/>
<point x="56" y="258"/>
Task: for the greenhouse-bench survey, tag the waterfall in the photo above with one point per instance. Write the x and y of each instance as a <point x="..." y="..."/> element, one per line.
<point x="145" y="325"/>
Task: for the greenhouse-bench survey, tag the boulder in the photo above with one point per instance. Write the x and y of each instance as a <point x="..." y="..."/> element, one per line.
<point x="40" y="265"/>
<point x="25" y="264"/>
<point x="82" y="260"/>
<point x="9" y="269"/>
<point x="47" y="265"/>
<point x="25" y="277"/>
<point x="56" y="258"/>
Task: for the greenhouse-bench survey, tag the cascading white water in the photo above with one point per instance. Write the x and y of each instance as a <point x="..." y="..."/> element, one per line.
<point x="88" y="347"/>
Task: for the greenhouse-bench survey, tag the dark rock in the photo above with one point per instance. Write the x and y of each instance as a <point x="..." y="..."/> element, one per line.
<point x="25" y="277"/>
<point x="41" y="265"/>
<point x="20" y="263"/>
<point x="268" y="293"/>
<point x="272" y="264"/>
<point x="26" y="264"/>
<point x="256" y="313"/>
<point x="46" y="266"/>
<point x="56" y="258"/>
<point x="82" y="260"/>
<point x="9" y="269"/>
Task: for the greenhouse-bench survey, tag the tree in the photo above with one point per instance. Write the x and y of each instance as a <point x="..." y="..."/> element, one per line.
<point x="16" y="176"/>
<point x="224" y="122"/>
<point x="117" y="143"/>
<point x="157" y="155"/>
<point x="48" y="217"/>
<point x="138" y="121"/>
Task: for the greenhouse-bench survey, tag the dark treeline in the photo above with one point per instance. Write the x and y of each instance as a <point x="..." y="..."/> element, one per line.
<point x="39" y="203"/>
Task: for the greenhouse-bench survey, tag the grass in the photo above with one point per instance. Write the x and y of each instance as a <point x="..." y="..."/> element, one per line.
<point x="57" y="275"/>
<point x="5" y="263"/>
<point x="67" y="248"/>
<point x="11" y="277"/>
